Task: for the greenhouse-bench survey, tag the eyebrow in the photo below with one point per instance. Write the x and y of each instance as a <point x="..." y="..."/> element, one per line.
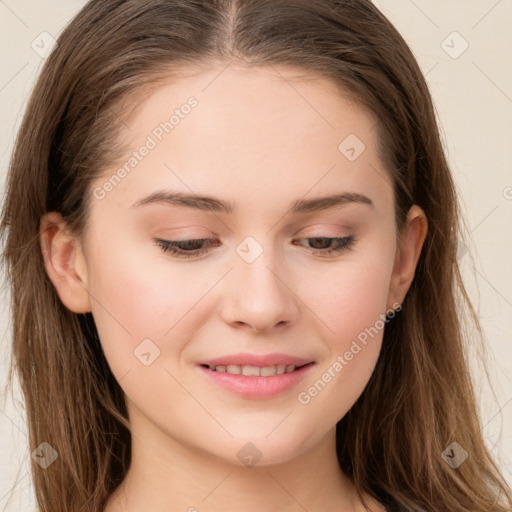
<point x="212" y="204"/>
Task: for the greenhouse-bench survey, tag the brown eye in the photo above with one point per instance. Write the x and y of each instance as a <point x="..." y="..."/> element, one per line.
<point x="328" y="245"/>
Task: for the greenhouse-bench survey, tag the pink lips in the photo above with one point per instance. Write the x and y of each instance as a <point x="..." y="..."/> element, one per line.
<point x="246" y="359"/>
<point x="251" y="386"/>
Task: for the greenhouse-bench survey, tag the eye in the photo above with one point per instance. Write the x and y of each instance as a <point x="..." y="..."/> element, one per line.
<point x="186" y="248"/>
<point x="322" y="246"/>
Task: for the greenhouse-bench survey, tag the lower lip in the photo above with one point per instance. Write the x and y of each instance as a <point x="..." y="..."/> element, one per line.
<point x="256" y="387"/>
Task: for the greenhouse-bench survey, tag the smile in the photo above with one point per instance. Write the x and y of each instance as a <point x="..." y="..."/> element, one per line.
<point x="255" y="371"/>
<point x="255" y="382"/>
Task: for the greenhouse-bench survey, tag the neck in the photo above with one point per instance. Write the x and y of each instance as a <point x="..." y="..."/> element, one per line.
<point x="167" y="476"/>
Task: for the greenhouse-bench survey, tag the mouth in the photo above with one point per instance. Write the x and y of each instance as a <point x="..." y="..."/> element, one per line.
<point x="254" y="382"/>
<point x="256" y="371"/>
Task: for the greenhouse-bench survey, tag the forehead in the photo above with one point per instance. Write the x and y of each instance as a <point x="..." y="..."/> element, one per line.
<point x="253" y="133"/>
<point x="253" y="105"/>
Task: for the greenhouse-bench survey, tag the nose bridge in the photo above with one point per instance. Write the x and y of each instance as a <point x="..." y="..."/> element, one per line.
<point x="258" y="295"/>
<point x="257" y="272"/>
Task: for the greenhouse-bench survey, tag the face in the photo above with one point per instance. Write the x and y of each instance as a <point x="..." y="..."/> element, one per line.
<point x="259" y="266"/>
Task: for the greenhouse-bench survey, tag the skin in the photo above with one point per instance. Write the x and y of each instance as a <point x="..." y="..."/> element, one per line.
<point x="260" y="139"/>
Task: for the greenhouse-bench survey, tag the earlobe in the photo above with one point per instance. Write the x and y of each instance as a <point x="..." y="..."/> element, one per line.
<point x="408" y="254"/>
<point x="64" y="262"/>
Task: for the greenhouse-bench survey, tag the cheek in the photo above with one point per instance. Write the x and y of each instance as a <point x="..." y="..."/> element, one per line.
<point x="352" y="306"/>
<point x="138" y="296"/>
<point x="351" y="299"/>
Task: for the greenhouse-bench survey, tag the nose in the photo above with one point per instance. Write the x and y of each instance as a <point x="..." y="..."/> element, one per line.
<point x="259" y="295"/>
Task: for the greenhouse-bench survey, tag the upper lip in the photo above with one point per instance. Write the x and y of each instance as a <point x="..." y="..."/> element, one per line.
<point x="246" y="359"/>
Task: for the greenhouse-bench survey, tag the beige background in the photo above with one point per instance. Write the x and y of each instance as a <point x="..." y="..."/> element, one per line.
<point x="472" y="89"/>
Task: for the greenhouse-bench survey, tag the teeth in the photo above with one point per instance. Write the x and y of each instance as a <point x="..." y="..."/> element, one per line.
<point x="232" y="368"/>
<point x="281" y="368"/>
<point x="250" y="370"/>
<point x="268" y="371"/>
<point x="255" y="371"/>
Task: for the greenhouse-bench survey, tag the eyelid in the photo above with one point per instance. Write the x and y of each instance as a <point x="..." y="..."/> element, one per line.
<point x="345" y="243"/>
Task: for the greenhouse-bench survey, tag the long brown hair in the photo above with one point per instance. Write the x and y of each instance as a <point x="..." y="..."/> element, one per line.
<point x="420" y="398"/>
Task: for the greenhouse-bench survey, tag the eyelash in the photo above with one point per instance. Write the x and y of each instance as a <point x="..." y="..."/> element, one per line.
<point x="168" y="246"/>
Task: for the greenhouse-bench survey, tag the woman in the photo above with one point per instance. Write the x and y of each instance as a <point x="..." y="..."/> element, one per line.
<point x="231" y="234"/>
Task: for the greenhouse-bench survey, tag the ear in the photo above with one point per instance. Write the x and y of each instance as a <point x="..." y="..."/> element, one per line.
<point x="64" y="262"/>
<point x="408" y="254"/>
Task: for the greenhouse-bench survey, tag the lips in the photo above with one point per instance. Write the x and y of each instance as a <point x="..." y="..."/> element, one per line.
<point x="256" y="387"/>
<point x="250" y="375"/>
<point x="262" y="361"/>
